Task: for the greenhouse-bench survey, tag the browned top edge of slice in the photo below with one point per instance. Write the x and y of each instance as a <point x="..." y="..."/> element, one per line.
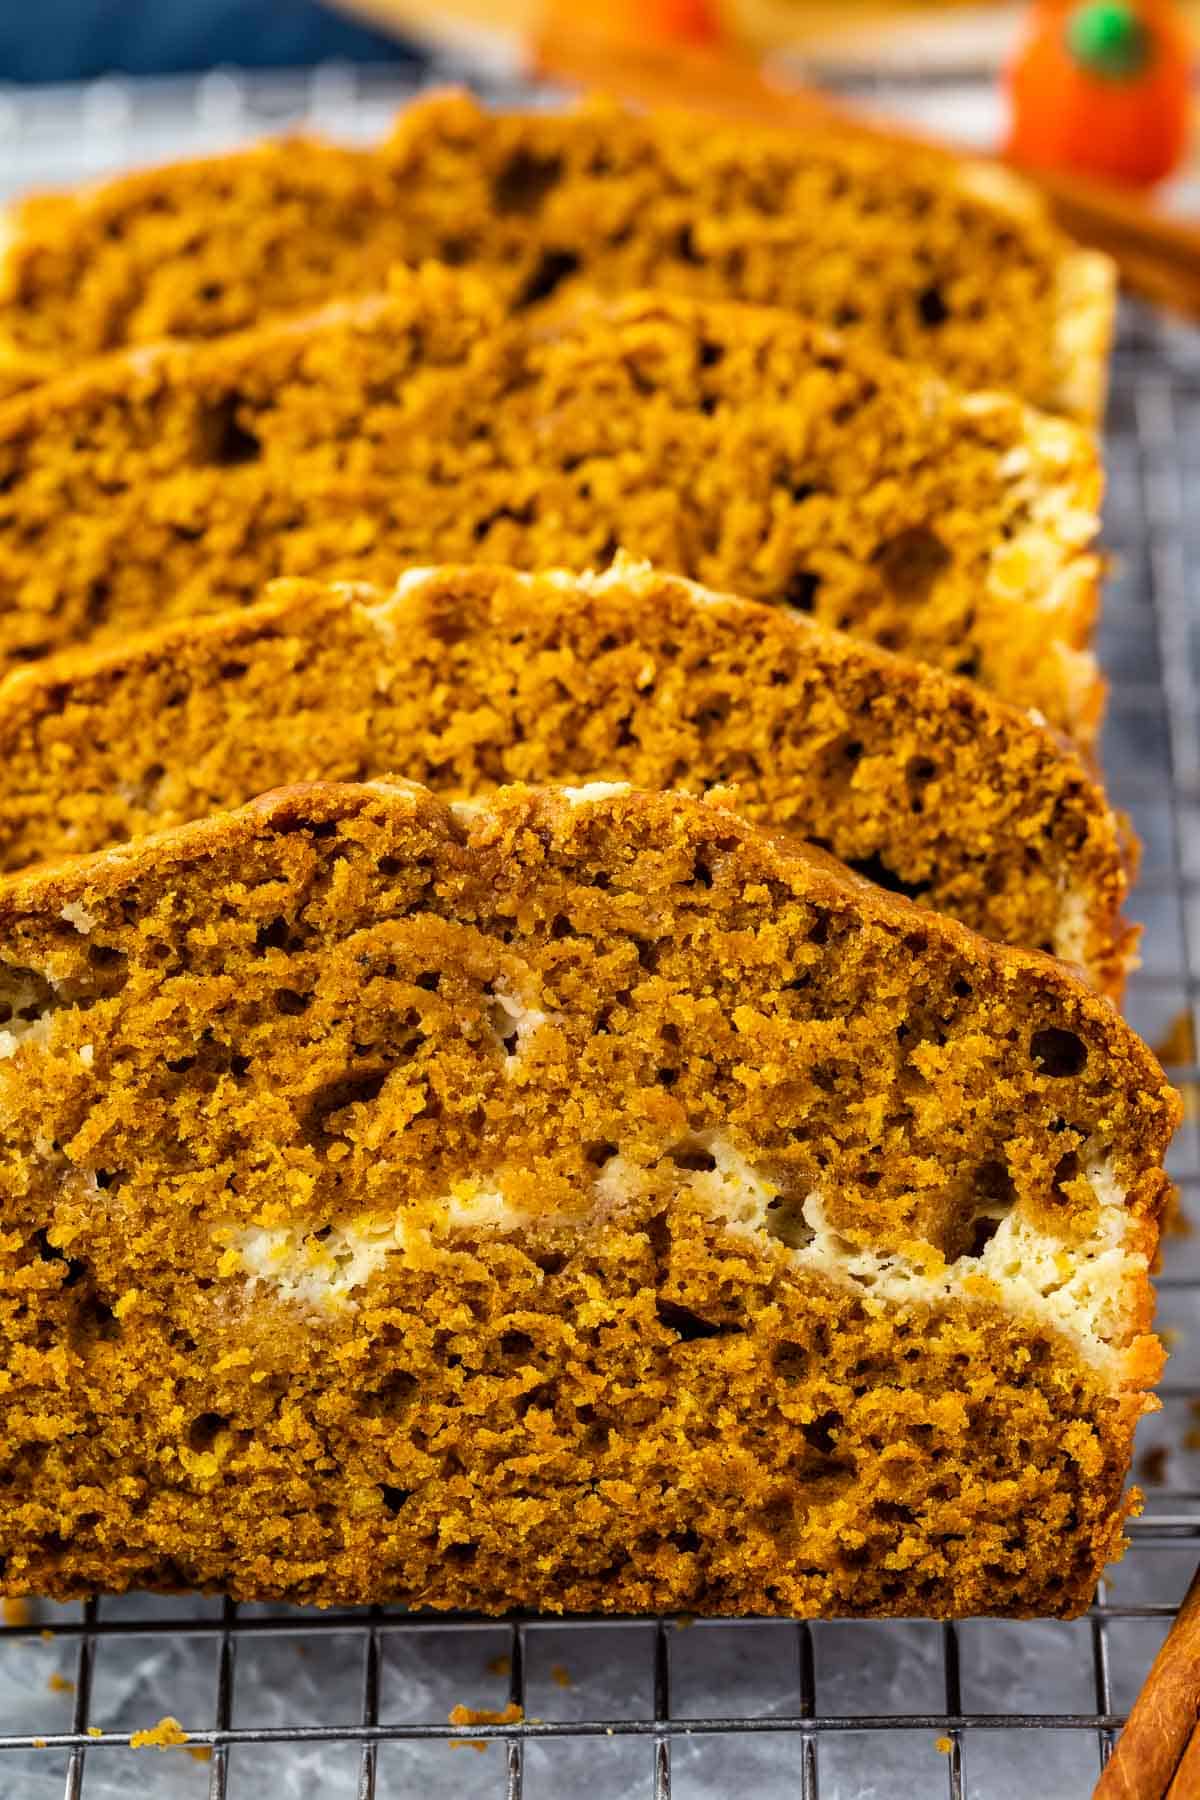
<point x="807" y="872"/>
<point x="1083" y="297"/>
<point x="43" y="688"/>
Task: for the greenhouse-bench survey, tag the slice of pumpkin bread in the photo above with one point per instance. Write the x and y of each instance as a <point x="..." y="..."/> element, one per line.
<point x="466" y="678"/>
<point x="944" y="261"/>
<point x="737" y="445"/>
<point x="572" y="1200"/>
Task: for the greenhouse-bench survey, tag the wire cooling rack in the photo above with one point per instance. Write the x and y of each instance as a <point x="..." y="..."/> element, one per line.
<point x="304" y="1703"/>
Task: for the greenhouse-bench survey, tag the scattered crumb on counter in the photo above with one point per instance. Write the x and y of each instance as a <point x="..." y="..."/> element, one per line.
<point x="1152" y="1466"/>
<point x="166" y="1735"/>
<point x="15" y="1612"/>
<point x="944" y="1745"/>
<point x="58" y="1684"/>
<point x="561" y="1676"/>
<point x="500" y="1665"/>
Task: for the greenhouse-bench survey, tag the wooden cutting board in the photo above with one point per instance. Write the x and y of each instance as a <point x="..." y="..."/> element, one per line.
<point x="952" y="34"/>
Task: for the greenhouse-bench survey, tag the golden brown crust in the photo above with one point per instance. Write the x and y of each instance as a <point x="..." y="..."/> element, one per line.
<point x="940" y="261"/>
<point x="465" y="678"/>
<point x="737" y="445"/>
<point x="310" y="1042"/>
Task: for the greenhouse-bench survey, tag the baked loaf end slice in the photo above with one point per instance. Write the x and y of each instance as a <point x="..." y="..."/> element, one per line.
<point x="943" y="261"/>
<point x="567" y="1200"/>
<point x="466" y="678"/>
<point x="740" y="446"/>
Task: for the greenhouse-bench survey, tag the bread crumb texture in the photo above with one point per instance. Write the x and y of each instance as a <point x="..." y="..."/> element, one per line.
<point x="168" y="1734"/>
<point x="467" y="678"/>
<point x="737" y="445"/>
<point x="784" y="1251"/>
<point x="512" y="1714"/>
<point x="942" y="261"/>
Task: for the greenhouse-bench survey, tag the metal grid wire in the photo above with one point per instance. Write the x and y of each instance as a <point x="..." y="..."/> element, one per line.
<point x="355" y="1703"/>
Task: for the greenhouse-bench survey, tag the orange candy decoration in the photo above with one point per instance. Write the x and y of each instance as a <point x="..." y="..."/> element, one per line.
<point x="645" y="21"/>
<point x="1102" y="87"/>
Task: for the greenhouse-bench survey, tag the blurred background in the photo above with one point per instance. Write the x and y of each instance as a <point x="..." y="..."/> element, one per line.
<point x="1102" y="82"/>
<point x="71" y="40"/>
<point x="79" y="40"/>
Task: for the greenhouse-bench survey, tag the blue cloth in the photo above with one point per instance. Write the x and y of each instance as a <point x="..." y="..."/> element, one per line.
<point x="71" y="40"/>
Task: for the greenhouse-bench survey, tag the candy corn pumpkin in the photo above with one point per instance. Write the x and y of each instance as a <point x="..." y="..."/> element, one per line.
<point x="1102" y="87"/>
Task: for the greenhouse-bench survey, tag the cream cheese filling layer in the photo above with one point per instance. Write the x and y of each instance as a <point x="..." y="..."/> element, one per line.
<point x="1080" y="1291"/>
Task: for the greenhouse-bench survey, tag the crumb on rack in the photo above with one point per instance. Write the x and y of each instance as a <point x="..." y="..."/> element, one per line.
<point x="944" y="1745"/>
<point x="168" y="1734"/>
<point x="486" y="1715"/>
<point x="483" y="1715"/>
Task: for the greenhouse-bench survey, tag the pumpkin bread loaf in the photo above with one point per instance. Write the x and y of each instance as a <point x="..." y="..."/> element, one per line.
<point x="942" y="261"/>
<point x="571" y="1200"/>
<point x="467" y="678"/>
<point x="740" y="446"/>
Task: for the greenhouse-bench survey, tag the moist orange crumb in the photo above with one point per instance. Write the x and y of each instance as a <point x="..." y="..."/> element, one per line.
<point x="15" y="1612"/>
<point x="58" y="1684"/>
<point x="737" y="445"/>
<point x="465" y="678"/>
<point x="943" y="261"/>
<point x="623" y="1208"/>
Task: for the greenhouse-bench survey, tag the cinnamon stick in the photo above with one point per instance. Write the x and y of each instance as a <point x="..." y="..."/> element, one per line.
<point x="1158" y="257"/>
<point x="1153" y="1752"/>
<point x="1186" y="1785"/>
